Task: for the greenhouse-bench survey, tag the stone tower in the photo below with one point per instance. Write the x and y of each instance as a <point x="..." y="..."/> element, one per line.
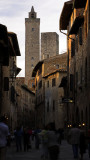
<point x="49" y="44"/>
<point x="32" y="44"/>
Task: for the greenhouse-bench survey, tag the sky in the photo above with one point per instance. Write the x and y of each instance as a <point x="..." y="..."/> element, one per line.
<point x="14" y="12"/>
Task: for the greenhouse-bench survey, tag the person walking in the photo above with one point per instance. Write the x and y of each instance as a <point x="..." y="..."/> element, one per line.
<point x="44" y="141"/>
<point x="4" y="133"/>
<point x="74" y="139"/>
<point x="26" y="139"/>
<point x="53" y="146"/>
<point x="88" y="141"/>
<point x="82" y="144"/>
<point x="18" y="137"/>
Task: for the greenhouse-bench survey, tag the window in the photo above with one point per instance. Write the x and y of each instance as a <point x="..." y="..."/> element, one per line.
<point x="33" y="85"/>
<point x="47" y="55"/>
<point x="6" y="83"/>
<point x="57" y="66"/>
<point x="48" y="106"/>
<point x="53" y="82"/>
<point x="32" y="15"/>
<point x="76" y="79"/>
<point x="40" y="70"/>
<point x="47" y="84"/>
<point x="53" y="105"/>
<point x="81" y="76"/>
<point x="40" y="84"/>
<point x="32" y="58"/>
<point x="32" y="66"/>
<point x="76" y="44"/>
<point x="71" y="82"/>
<point x="32" y="29"/>
<point x="72" y="48"/>
<point x="80" y="36"/>
<point x="85" y="71"/>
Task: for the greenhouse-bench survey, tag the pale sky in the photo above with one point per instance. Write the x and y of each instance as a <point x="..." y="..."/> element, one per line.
<point x="14" y="12"/>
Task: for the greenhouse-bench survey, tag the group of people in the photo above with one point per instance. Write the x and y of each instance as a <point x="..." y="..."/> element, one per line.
<point x="4" y="137"/>
<point x="48" y="137"/>
<point x="78" y="138"/>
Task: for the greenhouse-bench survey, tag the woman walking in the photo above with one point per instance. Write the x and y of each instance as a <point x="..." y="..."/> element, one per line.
<point x="53" y="146"/>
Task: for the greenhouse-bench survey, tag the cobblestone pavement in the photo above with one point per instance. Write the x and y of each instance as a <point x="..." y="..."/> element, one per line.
<point x="33" y="154"/>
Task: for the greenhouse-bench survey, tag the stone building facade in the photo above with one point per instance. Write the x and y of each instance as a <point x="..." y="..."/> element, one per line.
<point x="9" y="70"/>
<point x="32" y="44"/>
<point x="48" y="74"/>
<point x="25" y="104"/>
<point x="49" y="44"/>
<point x="76" y="21"/>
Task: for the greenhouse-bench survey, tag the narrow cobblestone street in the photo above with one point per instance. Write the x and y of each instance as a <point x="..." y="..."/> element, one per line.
<point x="33" y="154"/>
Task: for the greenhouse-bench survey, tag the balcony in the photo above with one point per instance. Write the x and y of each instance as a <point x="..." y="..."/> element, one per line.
<point x="76" y="21"/>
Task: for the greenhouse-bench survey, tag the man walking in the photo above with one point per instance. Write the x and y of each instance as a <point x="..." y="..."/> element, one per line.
<point x="74" y="138"/>
<point x="4" y="132"/>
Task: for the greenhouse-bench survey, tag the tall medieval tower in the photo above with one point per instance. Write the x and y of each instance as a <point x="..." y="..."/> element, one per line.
<point x="32" y="44"/>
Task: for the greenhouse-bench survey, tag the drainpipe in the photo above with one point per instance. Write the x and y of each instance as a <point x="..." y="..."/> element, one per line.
<point x="68" y="37"/>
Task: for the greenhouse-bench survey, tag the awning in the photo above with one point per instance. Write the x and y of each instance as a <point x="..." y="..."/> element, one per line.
<point x="36" y="68"/>
<point x="3" y="41"/>
<point x="15" y="43"/>
<point x="77" y="23"/>
<point x="18" y="70"/>
<point x="63" y="82"/>
<point x="79" y="3"/>
<point x="65" y="15"/>
<point x="10" y="48"/>
<point x="3" y="34"/>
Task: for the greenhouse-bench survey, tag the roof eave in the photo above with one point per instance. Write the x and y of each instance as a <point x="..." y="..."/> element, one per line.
<point x="65" y="15"/>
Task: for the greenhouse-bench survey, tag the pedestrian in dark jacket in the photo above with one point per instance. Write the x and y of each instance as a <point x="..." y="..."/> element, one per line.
<point x="26" y="137"/>
<point x="74" y="139"/>
<point x="18" y="137"/>
<point x="82" y="144"/>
